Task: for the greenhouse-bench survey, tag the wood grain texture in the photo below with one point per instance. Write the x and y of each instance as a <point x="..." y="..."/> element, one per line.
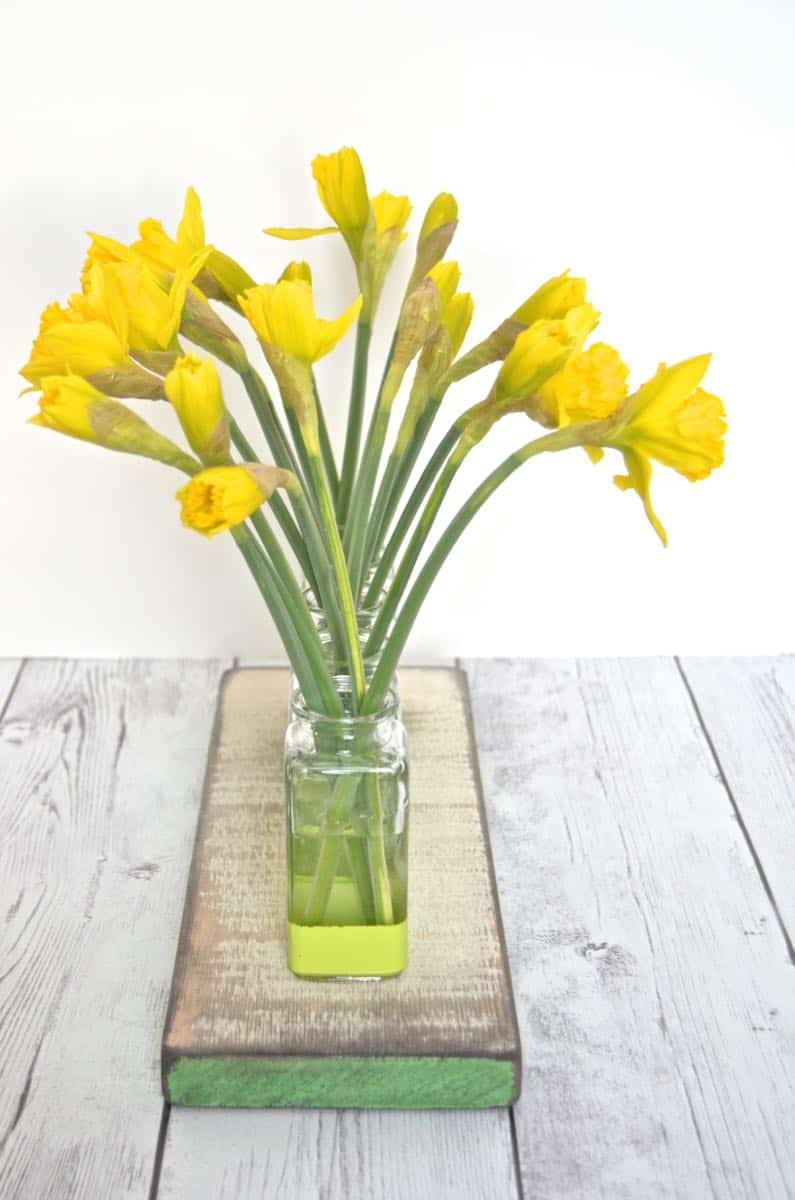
<point x="242" y="1030"/>
<point x="101" y="768"/>
<point x="653" y="984"/>
<point x="9" y="673"/>
<point x="748" y="708"/>
<point x="325" y="1155"/>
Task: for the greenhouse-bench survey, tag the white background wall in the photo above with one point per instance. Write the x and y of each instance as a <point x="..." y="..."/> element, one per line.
<point x="647" y="146"/>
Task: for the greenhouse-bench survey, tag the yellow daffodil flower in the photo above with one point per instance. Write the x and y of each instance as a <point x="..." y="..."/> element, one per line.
<point x="552" y="300"/>
<point x="222" y="497"/>
<point x="342" y="188"/>
<point x="541" y="350"/>
<point x="590" y="386"/>
<point x="373" y="227"/>
<point x="165" y="253"/>
<point x="82" y="347"/>
<point x="283" y="317"/>
<point x="194" y="389"/>
<point x="672" y="420"/>
<point x="72" y="406"/>
<point x="153" y="311"/>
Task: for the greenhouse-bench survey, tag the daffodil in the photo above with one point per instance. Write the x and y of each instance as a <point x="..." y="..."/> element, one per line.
<point x="70" y="344"/>
<point x="589" y="387"/>
<point x="218" y="275"/>
<point x="283" y="317"/>
<point x="153" y="311"/>
<point x="222" y="497"/>
<point x="194" y="389"/>
<point x="342" y="188"/>
<point x="671" y="420"/>
<point x="373" y="227"/>
<point x="436" y="233"/>
<point x="551" y="301"/>
<point x="72" y="406"/>
<point x="541" y="350"/>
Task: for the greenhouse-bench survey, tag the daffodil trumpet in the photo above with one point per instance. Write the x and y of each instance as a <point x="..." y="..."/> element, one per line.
<point x="143" y="328"/>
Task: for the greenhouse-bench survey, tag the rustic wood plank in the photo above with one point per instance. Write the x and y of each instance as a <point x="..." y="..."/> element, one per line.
<point x="653" y="984"/>
<point x="9" y="673"/>
<point x="748" y="708"/>
<point x="325" y="1155"/>
<point x="101" y="767"/>
<point x="242" y="1031"/>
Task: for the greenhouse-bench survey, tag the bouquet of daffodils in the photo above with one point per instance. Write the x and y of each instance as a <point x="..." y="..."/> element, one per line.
<point x="356" y="529"/>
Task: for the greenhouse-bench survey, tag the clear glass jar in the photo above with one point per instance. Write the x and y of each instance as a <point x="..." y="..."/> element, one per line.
<point x="346" y="786"/>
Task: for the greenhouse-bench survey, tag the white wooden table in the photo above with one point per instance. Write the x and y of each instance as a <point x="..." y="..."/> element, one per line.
<point x="643" y="826"/>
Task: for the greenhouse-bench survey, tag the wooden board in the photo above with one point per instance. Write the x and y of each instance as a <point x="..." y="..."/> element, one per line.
<point x="653" y="983"/>
<point x="242" y="1031"/>
<point x="747" y="707"/>
<point x="101" y="767"/>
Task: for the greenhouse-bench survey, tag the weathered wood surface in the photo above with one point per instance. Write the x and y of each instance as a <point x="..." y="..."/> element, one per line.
<point x="100" y="777"/>
<point x="655" y="991"/>
<point x="242" y="1154"/>
<point x="244" y="1031"/>
<point x="654" y="987"/>
<point x="747" y="706"/>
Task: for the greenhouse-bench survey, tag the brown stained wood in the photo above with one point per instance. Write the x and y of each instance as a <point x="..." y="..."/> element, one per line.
<point x="233" y="993"/>
<point x="653" y="985"/>
<point x="100" y="777"/>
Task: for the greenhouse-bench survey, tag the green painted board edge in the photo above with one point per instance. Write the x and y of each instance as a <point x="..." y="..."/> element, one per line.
<point x="239" y="1081"/>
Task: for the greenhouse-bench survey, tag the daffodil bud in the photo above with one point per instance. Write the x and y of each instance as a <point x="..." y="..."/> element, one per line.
<point x="436" y="234"/>
<point x="221" y="497"/>
<point x="72" y="406"/>
<point x="541" y="350"/>
<point x="194" y="389"/>
<point x="296" y="270"/>
<point x="380" y="243"/>
<point x="223" y="278"/>
<point x="130" y="382"/>
<point x="551" y="301"/>
<point x="419" y="317"/>
<point x="202" y="326"/>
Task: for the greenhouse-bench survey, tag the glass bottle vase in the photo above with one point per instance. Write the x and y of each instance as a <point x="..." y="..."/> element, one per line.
<point x="346" y="785"/>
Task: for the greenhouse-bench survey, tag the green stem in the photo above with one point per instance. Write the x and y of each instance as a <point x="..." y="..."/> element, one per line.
<point x="396" y="475"/>
<point x="561" y="439"/>
<point x="353" y="650"/>
<point x="269" y="421"/>
<point x="355" y="417"/>
<point x="326" y="449"/>
<point x="272" y="589"/>
<point x="421" y="489"/>
<point x="413" y="551"/>
<point x="280" y="510"/>
<point x="325" y="695"/>
<point x="358" y="514"/>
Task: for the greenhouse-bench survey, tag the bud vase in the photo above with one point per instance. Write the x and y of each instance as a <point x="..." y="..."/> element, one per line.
<point x="346" y="783"/>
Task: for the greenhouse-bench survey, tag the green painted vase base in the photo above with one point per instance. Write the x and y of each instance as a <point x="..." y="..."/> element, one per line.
<point x="347" y="951"/>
